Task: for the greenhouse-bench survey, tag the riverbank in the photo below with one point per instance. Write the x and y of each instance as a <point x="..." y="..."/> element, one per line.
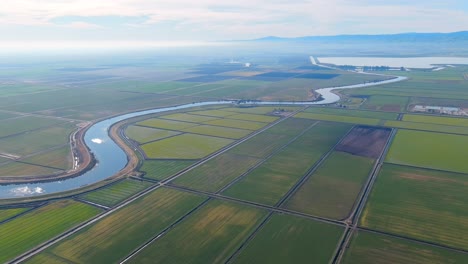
<point x="117" y="159"/>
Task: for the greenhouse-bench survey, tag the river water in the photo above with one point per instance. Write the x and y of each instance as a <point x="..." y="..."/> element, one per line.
<point x="111" y="158"/>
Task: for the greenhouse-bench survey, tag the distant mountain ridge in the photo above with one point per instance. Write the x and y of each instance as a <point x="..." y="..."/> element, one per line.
<point x="402" y="37"/>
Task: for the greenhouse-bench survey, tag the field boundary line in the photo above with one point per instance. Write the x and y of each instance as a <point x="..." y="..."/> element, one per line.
<point x="423" y="168"/>
<point x="311" y="171"/>
<point x="249" y="238"/>
<point x="100" y="206"/>
<point x="164" y="231"/>
<point x="28" y="254"/>
<point x="414" y="240"/>
<point x="262" y="161"/>
<point x="22" y="213"/>
<point x="258" y="205"/>
<point x="352" y="220"/>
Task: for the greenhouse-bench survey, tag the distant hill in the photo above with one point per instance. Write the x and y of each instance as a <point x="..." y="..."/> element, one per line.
<point x="404" y="37"/>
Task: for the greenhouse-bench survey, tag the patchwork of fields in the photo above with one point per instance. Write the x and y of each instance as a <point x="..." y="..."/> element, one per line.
<point x="231" y="184"/>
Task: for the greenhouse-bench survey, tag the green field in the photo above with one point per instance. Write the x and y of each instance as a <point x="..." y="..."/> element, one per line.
<point x="210" y="235"/>
<point x="369" y="248"/>
<point x="225" y="132"/>
<point x="428" y="127"/>
<point x="269" y="182"/>
<point x="386" y="103"/>
<point x="350" y="112"/>
<point x="22" y="169"/>
<point x="255" y="118"/>
<point x="146" y="134"/>
<point x="268" y="141"/>
<point x="58" y="158"/>
<point x="185" y="146"/>
<point x="115" y="193"/>
<point x="339" y="118"/>
<point x="187" y="117"/>
<point x="161" y="169"/>
<point x="261" y="110"/>
<point x="450" y="121"/>
<point x="242" y="124"/>
<point x="32" y="142"/>
<point x="40" y="225"/>
<point x="430" y="150"/>
<point x="424" y="204"/>
<point x="165" y="124"/>
<point x="8" y="213"/>
<point x="213" y="113"/>
<point x="332" y="190"/>
<point x="24" y="123"/>
<point x="217" y="172"/>
<point x="288" y="239"/>
<point x="114" y="237"/>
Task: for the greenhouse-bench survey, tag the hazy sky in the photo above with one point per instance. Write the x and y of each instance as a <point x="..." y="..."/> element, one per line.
<point x="200" y="20"/>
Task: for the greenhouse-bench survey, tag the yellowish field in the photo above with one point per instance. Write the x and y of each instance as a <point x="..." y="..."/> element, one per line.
<point x="236" y="124"/>
<point x="185" y="146"/>
<point x="217" y="131"/>
<point x="165" y="124"/>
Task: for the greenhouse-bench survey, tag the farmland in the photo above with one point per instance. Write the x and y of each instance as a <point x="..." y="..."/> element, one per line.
<point x="373" y="248"/>
<point x="363" y="180"/>
<point x="210" y="235"/>
<point x="435" y="199"/>
<point x="40" y="225"/>
<point x="186" y="146"/>
<point x="350" y="112"/>
<point x="216" y="173"/>
<point x="161" y="169"/>
<point x="115" y="193"/>
<point x="333" y="188"/>
<point x="339" y="118"/>
<point x="430" y="150"/>
<point x="307" y="241"/>
<point x="146" y="134"/>
<point x="8" y="213"/>
<point x="270" y="181"/>
<point x="108" y="240"/>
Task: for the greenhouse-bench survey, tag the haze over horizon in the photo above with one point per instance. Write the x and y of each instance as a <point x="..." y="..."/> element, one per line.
<point x="183" y="21"/>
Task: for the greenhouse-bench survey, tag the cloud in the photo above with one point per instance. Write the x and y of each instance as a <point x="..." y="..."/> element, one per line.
<point x="214" y="19"/>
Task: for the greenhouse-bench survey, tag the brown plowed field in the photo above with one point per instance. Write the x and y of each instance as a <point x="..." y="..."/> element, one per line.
<point x="365" y="141"/>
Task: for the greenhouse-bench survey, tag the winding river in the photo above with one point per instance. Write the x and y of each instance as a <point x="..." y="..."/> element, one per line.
<point x="111" y="158"/>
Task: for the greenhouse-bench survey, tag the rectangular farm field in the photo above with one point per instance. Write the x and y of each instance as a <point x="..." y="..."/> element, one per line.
<point x="242" y="124"/>
<point x="254" y="117"/>
<point x="188" y="117"/>
<point x="211" y="235"/>
<point x="114" y="237"/>
<point x="165" y="124"/>
<point x="11" y="212"/>
<point x="185" y="146"/>
<point x="116" y="193"/>
<point x="146" y="134"/>
<point x="370" y="248"/>
<point x="332" y="190"/>
<point x="339" y="118"/>
<point x="387" y="103"/>
<point x="351" y="112"/>
<point x="429" y="150"/>
<point x="450" y="121"/>
<point x="162" y="169"/>
<point x="288" y="239"/>
<point x="271" y="181"/>
<point x="38" y="226"/>
<point x="224" y="132"/>
<point x="424" y="204"/>
<point x="217" y="172"/>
